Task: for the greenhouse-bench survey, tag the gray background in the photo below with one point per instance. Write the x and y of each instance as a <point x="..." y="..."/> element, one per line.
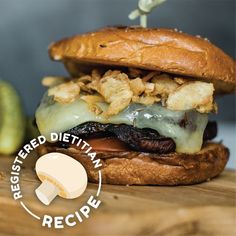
<point x="27" y="27"/>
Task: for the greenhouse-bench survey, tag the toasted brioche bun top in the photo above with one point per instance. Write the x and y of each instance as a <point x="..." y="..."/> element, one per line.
<point x="152" y="49"/>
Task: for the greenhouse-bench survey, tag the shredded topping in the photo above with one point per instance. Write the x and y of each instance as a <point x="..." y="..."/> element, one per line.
<point x="192" y="95"/>
<point x="119" y="89"/>
<point x="92" y="101"/>
<point x="51" y="81"/>
<point x="115" y="89"/>
<point x="65" y="92"/>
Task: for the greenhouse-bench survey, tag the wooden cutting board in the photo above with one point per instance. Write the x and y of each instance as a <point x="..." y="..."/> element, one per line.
<point x="203" y="209"/>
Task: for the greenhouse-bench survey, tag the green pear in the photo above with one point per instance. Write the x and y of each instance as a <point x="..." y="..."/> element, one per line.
<point x="12" y="119"/>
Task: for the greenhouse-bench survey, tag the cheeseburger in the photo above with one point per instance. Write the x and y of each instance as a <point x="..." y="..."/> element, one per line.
<point x="141" y="98"/>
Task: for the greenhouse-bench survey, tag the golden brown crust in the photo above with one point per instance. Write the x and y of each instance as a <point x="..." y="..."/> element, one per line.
<point x="153" y="49"/>
<point x="136" y="168"/>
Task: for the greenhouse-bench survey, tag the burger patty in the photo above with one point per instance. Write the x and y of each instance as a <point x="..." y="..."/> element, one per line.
<point x="144" y="140"/>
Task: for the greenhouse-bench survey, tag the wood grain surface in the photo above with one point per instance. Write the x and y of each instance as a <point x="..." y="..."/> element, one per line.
<point x="203" y="209"/>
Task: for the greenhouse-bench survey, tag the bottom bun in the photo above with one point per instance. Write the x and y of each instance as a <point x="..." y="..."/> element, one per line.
<point x="137" y="168"/>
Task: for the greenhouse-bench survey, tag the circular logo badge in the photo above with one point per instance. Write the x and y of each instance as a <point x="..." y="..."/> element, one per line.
<point x="61" y="176"/>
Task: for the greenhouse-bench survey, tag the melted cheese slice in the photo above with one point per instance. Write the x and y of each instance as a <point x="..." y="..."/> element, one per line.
<point x="54" y="117"/>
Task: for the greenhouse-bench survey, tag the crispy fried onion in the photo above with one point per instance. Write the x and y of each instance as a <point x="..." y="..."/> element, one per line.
<point x="192" y="95"/>
<point x="119" y="89"/>
<point x="52" y="81"/>
<point x="115" y="89"/>
<point x="65" y="93"/>
<point x="92" y="101"/>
